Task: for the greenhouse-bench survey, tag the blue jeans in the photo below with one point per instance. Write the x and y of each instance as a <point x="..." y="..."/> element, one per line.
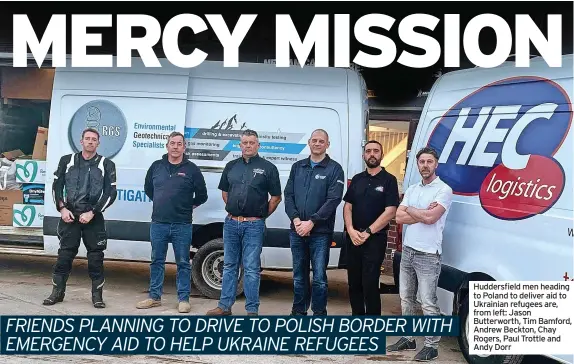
<point x="311" y="250"/>
<point x="242" y="243"/>
<point x="179" y="235"/>
<point x="420" y="272"/>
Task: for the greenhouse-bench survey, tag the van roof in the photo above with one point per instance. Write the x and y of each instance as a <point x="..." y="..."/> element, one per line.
<point x="263" y="72"/>
<point x="472" y="78"/>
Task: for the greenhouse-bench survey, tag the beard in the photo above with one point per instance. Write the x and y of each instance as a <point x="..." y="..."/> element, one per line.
<point x="373" y="162"/>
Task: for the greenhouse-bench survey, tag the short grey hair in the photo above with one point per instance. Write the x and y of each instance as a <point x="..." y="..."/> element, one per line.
<point x="249" y="132"/>
<point x="321" y="131"/>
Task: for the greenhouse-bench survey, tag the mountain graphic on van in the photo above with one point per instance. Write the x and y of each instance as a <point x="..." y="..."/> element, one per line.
<point x="228" y="124"/>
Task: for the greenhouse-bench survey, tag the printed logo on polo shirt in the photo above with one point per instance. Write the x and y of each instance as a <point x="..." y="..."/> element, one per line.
<point x="380" y="188"/>
<point x="257" y="171"/>
<point x="318" y="176"/>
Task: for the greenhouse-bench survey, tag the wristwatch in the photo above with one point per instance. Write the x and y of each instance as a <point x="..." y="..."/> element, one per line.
<point x="368" y="231"/>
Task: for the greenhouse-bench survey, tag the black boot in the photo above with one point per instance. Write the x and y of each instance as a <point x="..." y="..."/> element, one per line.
<point x="58" y="290"/>
<point x="97" y="290"/>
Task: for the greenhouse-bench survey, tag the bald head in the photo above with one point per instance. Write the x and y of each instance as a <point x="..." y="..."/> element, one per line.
<point x="319" y="142"/>
<point x="322" y="132"/>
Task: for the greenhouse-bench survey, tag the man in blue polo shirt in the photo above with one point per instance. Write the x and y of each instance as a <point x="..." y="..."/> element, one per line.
<point x="312" y="194"/>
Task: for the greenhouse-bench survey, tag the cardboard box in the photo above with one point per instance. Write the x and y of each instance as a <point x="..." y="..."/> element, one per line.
<point x="7" y="201"/>
<point x="13" y="154"/>
<point x="30" y="171"/>
<point x="33" y="193"/>
<point x="41" y="145"/>
<point x="28" y="216"/>
<point x="27" y="83"/>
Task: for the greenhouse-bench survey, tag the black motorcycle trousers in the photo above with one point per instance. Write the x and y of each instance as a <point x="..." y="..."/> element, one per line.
<point x="94" y="236"/>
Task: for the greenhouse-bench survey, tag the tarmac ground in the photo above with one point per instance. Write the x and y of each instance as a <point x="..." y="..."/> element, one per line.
<point x="26" y="280"/>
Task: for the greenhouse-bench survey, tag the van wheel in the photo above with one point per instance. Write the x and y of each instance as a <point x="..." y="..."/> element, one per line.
<point x="207" y="269"/>
<point x="463" y="342"/>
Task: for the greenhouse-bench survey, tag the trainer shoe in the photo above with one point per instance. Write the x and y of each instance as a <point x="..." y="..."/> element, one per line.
<point x="148" y="303"/>
<point x="218" y="312"/>
<point x="403" y="344"/>
<point x="184" y="307"/>
<point x="427" y="354"/>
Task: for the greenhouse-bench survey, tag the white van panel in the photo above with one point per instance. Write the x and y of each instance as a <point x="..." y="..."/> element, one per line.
<point x="489" y="229"/>
<point x="283" y="129"/>
<point x="283" y="105"/>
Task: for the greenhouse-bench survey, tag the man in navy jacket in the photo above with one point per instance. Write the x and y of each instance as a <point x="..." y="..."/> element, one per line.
<point x="312" y="194"/>
<point x="176" y="186"/>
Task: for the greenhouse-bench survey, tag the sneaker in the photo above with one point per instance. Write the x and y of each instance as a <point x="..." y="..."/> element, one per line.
<point x="218" y="312"/>
<point x="148" y="303"/>
<point x="295" y="313"/>
<point x="184" y="307"/>
<point x="403" y="344"/>
<point x="427" y="354"/>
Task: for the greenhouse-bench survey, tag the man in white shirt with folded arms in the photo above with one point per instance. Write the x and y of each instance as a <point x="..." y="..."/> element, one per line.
<point x="424" y="209"/>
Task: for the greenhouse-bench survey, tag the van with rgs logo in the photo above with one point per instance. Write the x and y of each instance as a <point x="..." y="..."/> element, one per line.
<point x="505" y="145"/>
<point x="136" y="108"/>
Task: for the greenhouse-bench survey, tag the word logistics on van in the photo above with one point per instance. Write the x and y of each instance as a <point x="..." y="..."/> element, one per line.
<point x="108" y="335"/>
<point x="317" y="37"/>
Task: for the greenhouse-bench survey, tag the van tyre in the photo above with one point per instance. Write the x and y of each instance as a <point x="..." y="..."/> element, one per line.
<point x="463" y="343"/>
<point x="207" y="269"/>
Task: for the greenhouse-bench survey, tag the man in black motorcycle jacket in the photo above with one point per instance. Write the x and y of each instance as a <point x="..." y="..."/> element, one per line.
<point x="89" y="183"/>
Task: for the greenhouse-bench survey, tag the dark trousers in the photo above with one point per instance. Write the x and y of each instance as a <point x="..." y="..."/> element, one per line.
<point x="310" y="252"/>
<point x="95" y="240"/>
<point x="363" y="274"/>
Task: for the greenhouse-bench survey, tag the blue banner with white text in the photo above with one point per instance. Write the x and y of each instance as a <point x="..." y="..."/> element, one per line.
<point x="212" y="335"/>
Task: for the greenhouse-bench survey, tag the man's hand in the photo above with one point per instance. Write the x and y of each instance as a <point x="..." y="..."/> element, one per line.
<point x="297" y="224"/>
<point x="305" y="228"/>
<point x="67" y="216"/>
<point x="356" y="237"/>
<point x="364" y="236"/>
<point x="86" y="217"/>
<point x="432" y="205"/>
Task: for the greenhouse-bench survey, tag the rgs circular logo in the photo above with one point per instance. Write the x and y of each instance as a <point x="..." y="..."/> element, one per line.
<point x="105" y="117"/>
<point x="499" y="143"/>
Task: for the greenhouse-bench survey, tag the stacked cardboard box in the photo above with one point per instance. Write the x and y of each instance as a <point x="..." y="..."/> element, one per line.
<point x="23" y="206"/>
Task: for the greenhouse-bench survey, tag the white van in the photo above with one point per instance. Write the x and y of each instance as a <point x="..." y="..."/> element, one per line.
<point x="136" y="108"/>
<point x="505" y="144"/>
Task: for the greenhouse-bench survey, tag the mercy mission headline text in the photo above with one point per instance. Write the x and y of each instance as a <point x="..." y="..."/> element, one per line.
<point x="287" y="38"/>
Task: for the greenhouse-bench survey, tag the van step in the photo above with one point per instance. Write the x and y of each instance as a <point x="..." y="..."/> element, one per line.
<point x="21" y="250"/>
<point x="26" y="237"/>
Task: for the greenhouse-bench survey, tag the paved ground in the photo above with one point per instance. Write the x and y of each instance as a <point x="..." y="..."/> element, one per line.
<point x="25" y="282"/>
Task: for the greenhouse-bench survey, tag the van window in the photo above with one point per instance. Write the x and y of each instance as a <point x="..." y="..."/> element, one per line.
<point x="213" y="130"/>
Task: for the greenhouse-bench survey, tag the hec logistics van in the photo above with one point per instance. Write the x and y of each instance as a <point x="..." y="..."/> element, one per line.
<point x="505" y="146"/>
<point x="136" y="108"/>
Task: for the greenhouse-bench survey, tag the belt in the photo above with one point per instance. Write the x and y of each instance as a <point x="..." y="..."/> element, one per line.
<point x="243" y="218"/>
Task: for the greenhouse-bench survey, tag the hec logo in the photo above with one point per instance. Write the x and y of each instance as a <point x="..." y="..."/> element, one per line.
<point x="105" y="117"/>
<point x="499" y="143"/>
<point x="25" y="216"/>
<point x="27" y="171"/>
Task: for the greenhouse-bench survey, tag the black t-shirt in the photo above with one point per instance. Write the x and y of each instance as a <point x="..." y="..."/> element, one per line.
<point x="249" y="185"/>
<point x="370" y="195"/>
